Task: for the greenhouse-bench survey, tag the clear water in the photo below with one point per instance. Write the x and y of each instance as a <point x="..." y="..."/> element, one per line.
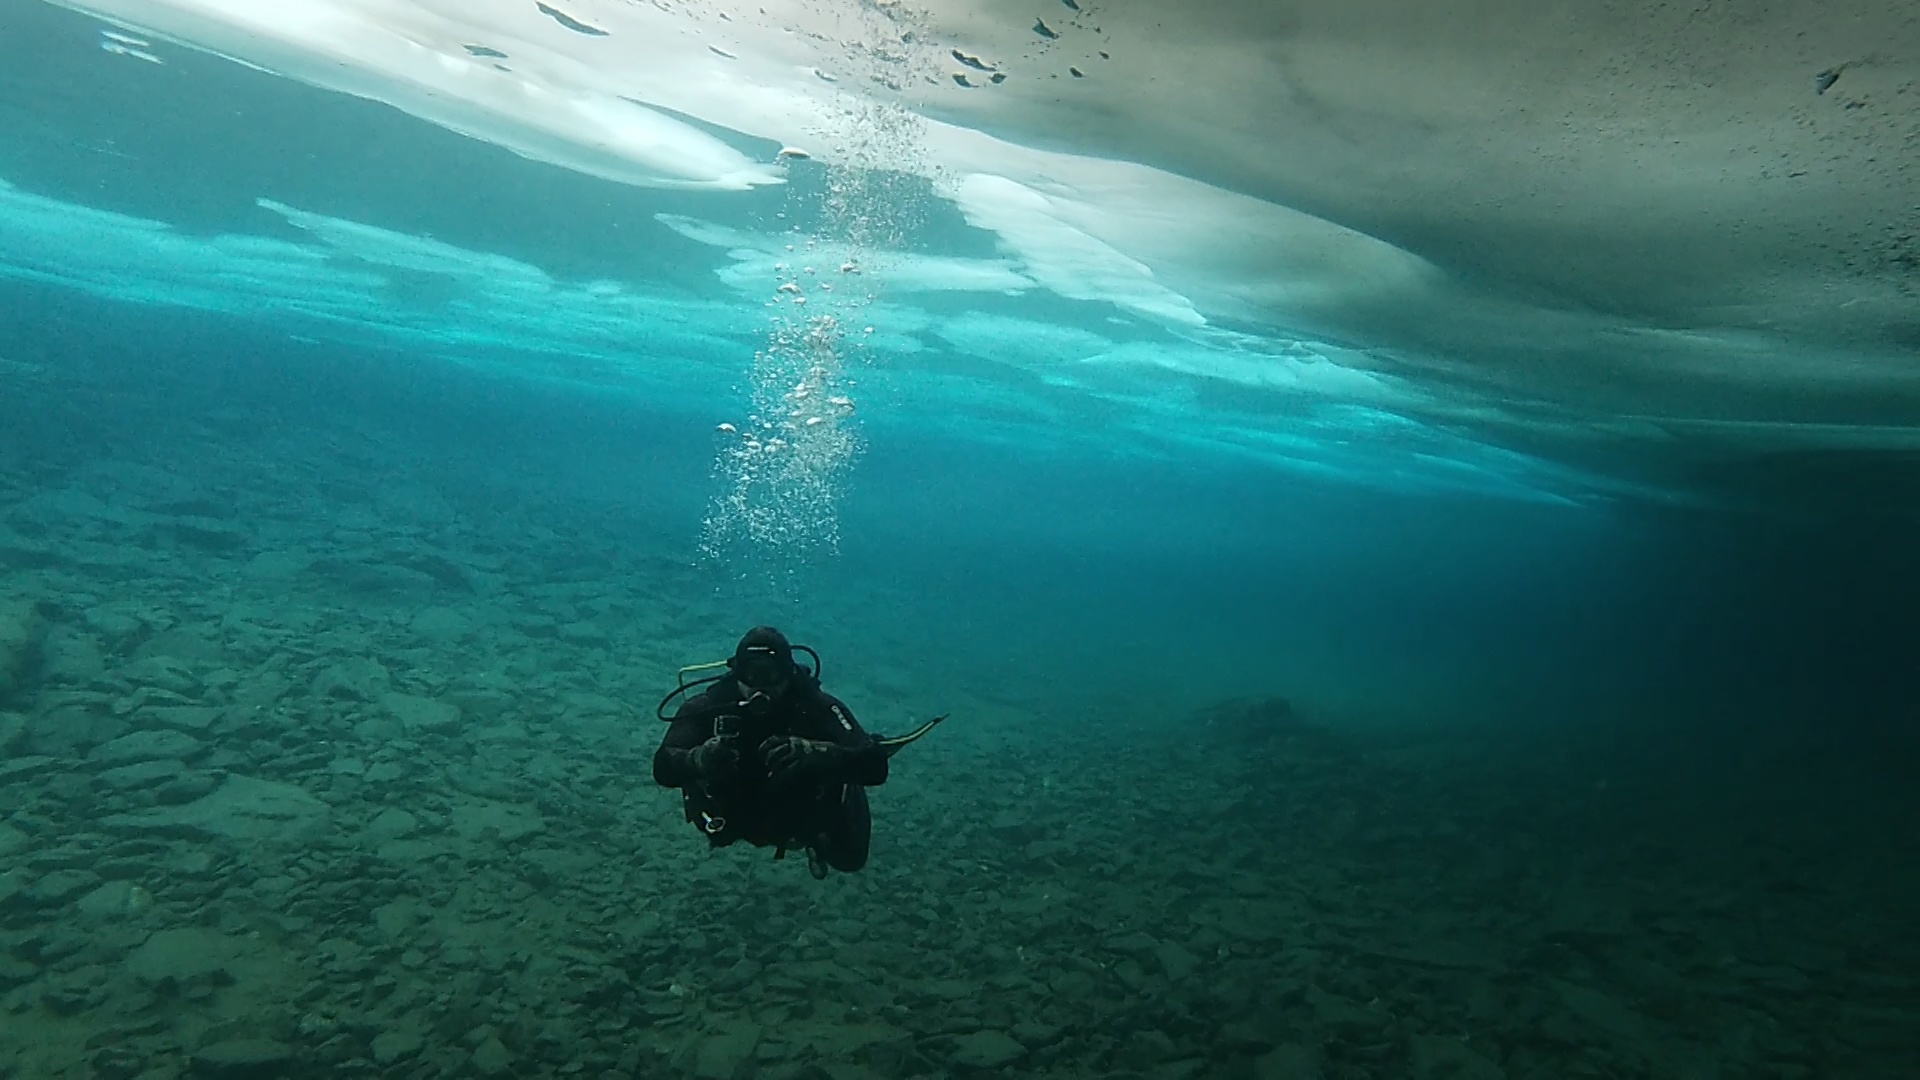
<point x="1595" y="763"/>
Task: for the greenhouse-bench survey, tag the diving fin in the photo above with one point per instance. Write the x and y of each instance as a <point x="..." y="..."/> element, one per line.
<point x="892" y="743"/>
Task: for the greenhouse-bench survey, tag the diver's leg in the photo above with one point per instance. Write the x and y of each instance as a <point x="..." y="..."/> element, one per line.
<point x="849" y="832"/>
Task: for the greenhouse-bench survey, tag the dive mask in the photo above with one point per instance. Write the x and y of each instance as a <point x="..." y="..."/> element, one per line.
<point x="761" y="672"/>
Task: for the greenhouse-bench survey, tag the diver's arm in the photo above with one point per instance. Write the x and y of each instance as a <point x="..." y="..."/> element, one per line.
<point x="867" y="765"/>
<point x="673" y="762"/>
<point x="865" y="761"/>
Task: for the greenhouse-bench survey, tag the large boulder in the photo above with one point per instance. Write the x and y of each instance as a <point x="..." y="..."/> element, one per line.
<point x="23" y="631"/>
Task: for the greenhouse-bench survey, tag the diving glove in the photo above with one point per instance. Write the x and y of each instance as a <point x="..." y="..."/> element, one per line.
<point x="715" y="759"/>
<point x="791" y="758"/>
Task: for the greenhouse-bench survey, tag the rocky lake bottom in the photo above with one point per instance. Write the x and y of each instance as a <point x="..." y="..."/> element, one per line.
<point x="307" y="771"/>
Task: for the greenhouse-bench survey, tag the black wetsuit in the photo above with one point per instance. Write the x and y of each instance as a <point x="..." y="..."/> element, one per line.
<point x="829" y="814"/>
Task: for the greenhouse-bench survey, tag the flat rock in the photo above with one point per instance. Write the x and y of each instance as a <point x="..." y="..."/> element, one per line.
<point x="1136" y="942"/>
<point x="25" y="554"/>
<point x="719" y="1057"/>
<point x="368" y="573"/>
<point x="180" y="717"/>
<point x="259" y="690"/>
<point x="26" y="767"/>
<point x="1602" y="1011"/>
<point x="143" y="774"/>
<point x="113" y="621"/>
<point x="241" y="808"/>
<point x="584" y="633"/>
<point x="1034" y="1034"/>
<point x="1245" y="1035"/>
<point x="986" y="1050"/>
<point x="244" y="1059"/>
<point x="204" y="533"/>
<point x="417" y="714"/>
<point x="408" y="852"/>
<point x="505" y="774"/>
<point x="506" y="821"/>
<point x="441" y="624"/>
<point x="159" y="671"/>
<point x="14" y="972"/>
<point x="358" y="677"/>
<point x="68" y="851"/>
<point x="185" y="788"/>
<point x="144" y="746"/>
<point x="508" y="732"/>
<point x="391" y="1046"/>
<point x="23" y="629"/>
<point x="184" y="645"/>
<point x="490" y="1058"/>
<point x="1288" y="1062"/>
<point x="183" y="954"/>
<point x="379" y="730"/>
<point x="278" y="565"/>
<point x="59" y="887"/>
<point x="1148" y="1048"/>
<point x="391" y="824"/>
<point x="1443" y="1057"/>
<point x="1178" y="963"/>
<point x="536" y="626"/>
<point x="396" y="919"/>
<point x="483" y="782"/>
<point x="114" y="900"/>
<point x="1345" y="1017"/>
<point x="71" y="656"/>
<point x="69" y="729"/>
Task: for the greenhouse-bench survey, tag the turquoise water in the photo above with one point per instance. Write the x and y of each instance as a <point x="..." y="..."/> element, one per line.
<point x="1300" y="727"/>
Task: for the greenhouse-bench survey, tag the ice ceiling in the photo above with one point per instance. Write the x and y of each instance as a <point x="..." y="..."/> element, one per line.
<point x="1686" y="229"/>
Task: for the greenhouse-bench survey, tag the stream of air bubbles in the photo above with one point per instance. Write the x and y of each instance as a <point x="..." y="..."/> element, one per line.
<point x="782" y="468"/>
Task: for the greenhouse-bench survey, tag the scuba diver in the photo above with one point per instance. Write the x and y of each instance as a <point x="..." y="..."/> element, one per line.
<point x="763" y="754"/>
